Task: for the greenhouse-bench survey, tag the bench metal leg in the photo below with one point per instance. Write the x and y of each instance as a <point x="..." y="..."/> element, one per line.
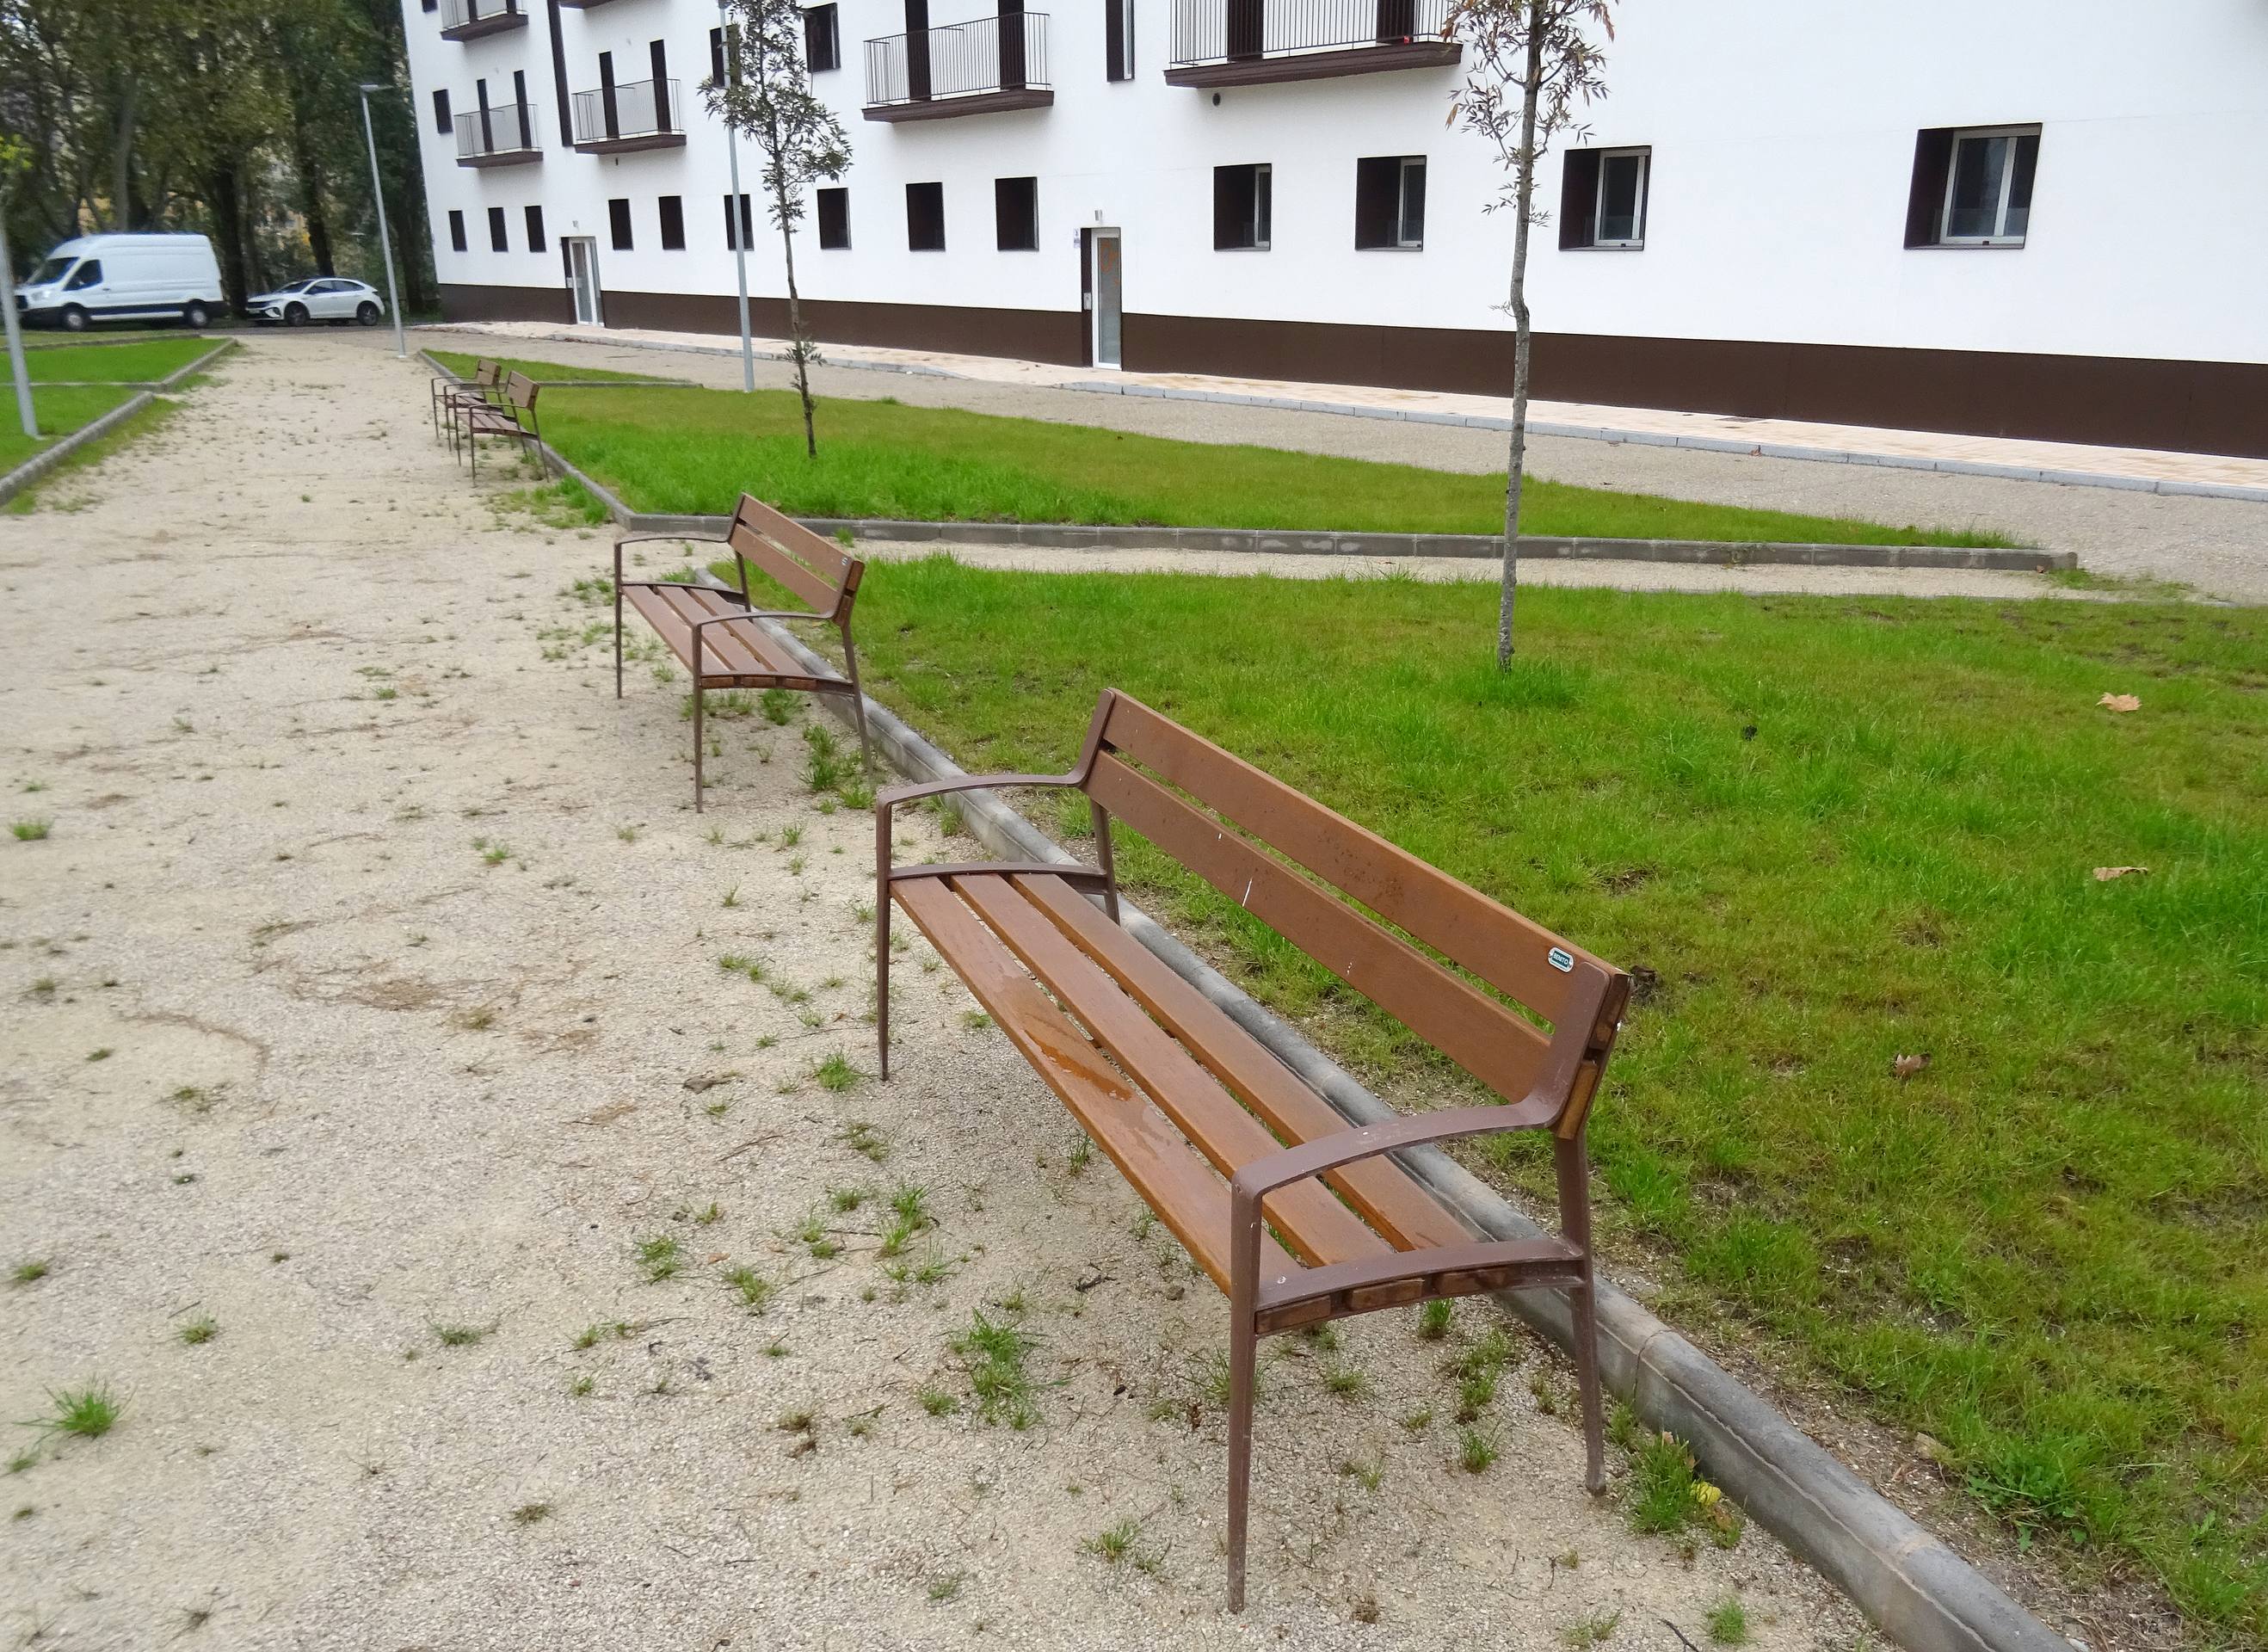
<point x="1244" y="1356"/>
<point x="857" y="699"/>
<point x="697" y="697"/>
<point x="618" y="620"/>
<point x="1575" y="1227"/>
<point x="882" y="940"/>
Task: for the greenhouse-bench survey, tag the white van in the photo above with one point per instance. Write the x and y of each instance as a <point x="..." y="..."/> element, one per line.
<point x="123" y="278"/>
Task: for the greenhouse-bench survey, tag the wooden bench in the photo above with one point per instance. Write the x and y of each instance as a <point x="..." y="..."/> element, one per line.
<point x="449" y="392"/>
<point x="1298" y="1215"/>
<point x="512" y="414"/>
<point x="715" y="634"/>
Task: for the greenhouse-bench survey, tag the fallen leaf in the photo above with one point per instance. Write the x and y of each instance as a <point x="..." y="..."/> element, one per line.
<point x="1906" y="1067"/>
<point x="2105" y="874"/>
<point x="2121" y="702"/>
<point x="701" y="1082"/>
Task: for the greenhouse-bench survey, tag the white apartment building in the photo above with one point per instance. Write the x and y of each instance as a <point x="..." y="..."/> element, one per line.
<point x="2035" y="217"/>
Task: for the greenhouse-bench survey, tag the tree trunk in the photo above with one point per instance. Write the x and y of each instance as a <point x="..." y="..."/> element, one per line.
<point x="228" y="222"/>
<point x="799" y="347"/>
<point x="311" y="197"/>
<point x="122" y="159"/>
<point x="1522" y="334"/>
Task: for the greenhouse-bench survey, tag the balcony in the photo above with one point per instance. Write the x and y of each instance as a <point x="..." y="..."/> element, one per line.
<point x="979" y="67"/>
<point x="470" y="19"/>
<point x="502" y="135"/>
<point x="640" y="115"/>
<point x="1256" y="42"/>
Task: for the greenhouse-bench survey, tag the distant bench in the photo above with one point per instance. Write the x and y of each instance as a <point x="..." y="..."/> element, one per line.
<point x="721" y="641"/>
<point x="1181" y="1096"/>
<point x="450" y="392"/>
<point x="511" y="413"/>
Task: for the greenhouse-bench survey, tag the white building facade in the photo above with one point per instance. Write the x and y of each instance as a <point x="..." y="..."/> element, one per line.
<point x="2021" y="217"/>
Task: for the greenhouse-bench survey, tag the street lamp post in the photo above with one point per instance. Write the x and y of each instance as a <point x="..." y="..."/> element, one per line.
<point x="384" y="242"/>
<point x="24" y="413"/>
<point x="737" y="212"/>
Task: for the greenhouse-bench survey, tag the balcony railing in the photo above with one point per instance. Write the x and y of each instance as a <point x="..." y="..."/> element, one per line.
<point x="1241" y="42"/>
<point x="639" y="115"/>
<point x="997" y="63"/>
<point x="470" y="19"/>
<point x="502" y="135"/>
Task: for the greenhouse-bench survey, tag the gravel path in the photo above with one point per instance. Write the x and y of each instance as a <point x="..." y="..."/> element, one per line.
<point x="2219" y="547"/>
<point x="363" y="1004"/>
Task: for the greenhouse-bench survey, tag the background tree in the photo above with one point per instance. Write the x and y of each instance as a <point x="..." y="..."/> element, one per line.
<point x="767" y="95"/>
<point x="1531" y="63"/>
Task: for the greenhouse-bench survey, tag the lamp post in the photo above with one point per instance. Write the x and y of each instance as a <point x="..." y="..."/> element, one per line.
<point x="737" y="212"/>
<point x="24" y="413"/>
<point x="384" y="242"/>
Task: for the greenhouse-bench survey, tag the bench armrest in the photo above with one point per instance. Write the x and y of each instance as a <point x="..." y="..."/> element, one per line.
<point x="689" y="539"/>
<point x="1328" y="1153"/>
<point x="898" y="794"/>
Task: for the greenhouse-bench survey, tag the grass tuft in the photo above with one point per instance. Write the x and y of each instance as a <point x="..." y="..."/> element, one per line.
<point x="84" y="1413"/>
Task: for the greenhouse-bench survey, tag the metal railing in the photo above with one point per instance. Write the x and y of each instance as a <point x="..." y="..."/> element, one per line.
<point x="960" y="60"/>
<point x="455" y="14"/>
<point x="638" y="108"/>
<point x="1223" y="31"/>
<point x="502" y="128"/>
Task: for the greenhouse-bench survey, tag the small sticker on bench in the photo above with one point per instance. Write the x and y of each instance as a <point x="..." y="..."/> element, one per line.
<point x="1561" y="960"/>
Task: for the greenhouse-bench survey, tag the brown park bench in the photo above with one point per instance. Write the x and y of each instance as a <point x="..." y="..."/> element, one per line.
<point x="449" y="393"/>
<point x="1292" y="1211"/>
<point x="512" y="414"/>
<point x="716" y="637"/>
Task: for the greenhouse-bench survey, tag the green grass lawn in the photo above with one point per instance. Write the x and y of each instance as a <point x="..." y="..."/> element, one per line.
<point x="143" y="361"/>
<point x="463" y="365"/>
<point x="695" y="451"/>
<point x="59" y="411"/>
<point x="1830" y="832"/>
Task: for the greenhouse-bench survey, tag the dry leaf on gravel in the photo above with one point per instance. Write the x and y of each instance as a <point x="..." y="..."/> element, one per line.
<point x="2121" y="702"/>
<point x="2105" y="874"/>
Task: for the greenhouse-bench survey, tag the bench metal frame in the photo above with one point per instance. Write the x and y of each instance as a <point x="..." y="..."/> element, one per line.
<point x="1302" y="869"/>
<point x="792" y="556"/>
<point x="472" y="419"/>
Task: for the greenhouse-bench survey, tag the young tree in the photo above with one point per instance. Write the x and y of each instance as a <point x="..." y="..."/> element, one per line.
<point x="767" y="95"/>
<point x="1531" y="63"/>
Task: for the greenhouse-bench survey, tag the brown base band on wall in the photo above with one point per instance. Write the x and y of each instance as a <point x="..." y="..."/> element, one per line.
<point x="2202" y="407"/>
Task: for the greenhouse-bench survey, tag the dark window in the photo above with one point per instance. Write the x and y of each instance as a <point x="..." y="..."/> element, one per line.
<point x="834" y="219"/>
<point x="429" y="5"/>
<point x="457" y="232"/>
<point x="496" y="241"/>
<point x="89" y="274"/>
<point x="1016" y="213"/>
<point x="823" y="39"/>
<point x="717" y="56"/>
<point x="1972" y="186"/>
<point x="441" y="109"/>
<point x="535" y="229"/>
<point x="618" y="218"/>
<point x="748" y="225"/>
<point x="1241" y="206"/>
<point x="1118" y="39"/>
<point x="925" y="217"/>
<point x="1389" y="201"/>
<point x="672" y="223"/>
<point x="1602" y="197"/>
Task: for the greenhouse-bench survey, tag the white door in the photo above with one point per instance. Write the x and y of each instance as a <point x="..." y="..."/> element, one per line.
<point x="583" y="274"/>
<point x="1109" y="283"/>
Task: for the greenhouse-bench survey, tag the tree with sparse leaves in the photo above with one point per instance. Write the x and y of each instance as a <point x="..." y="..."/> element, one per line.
<point x="1530" y="65"/>
<point x="766" y="93"/>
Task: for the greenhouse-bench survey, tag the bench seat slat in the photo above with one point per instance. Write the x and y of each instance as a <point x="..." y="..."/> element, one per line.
<point x="1307" y="1214"/>
<point x="741" y="649"/>
<point x="1387" y="1195"/>
<point x="1149" y="1152"/>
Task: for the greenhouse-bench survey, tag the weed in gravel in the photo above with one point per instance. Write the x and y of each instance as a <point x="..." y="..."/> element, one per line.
<point x="199" y="1330"/>
<point x="938" y="1402"/>
<point x="1433" y="1319"/>
<point x="993" y="1354"/>
<point x="660" y="1258"/>
<point x="581" y="1387"/>
<point x="1729" y="1622"/>
<point x="591" y="1336"/>
<point x="863" y="1139"/>
<point x="460" y="1336"/>
<point x="1113" y="1543"/>
<point x="529" y="1514"/>
<point x="30" y="830"/>
<point x="944" y="1587"/>
<point x="1592" y="1629"/>
<point x="836" y="1074"/>
<point x="756" y="1292"/>
<point x="1664" y="1493"/>
<point x="1345" y="1382"/>
<point x="27" y="1272"/>
<point x="86" y="1413"/>
<point x="846" y="1199"/>
<point x="1476" y="1451"/>
<point x="976" y="1020"/>
<point x="908" y="1215"/>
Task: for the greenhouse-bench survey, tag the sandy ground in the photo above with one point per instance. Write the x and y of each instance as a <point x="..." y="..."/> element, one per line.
<point x="2219" y="547"/>
<point x="367" y="988"/>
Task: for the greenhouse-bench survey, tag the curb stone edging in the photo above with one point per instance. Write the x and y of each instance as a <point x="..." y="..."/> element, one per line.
<point x="1914" y="1587"/>
<point x="1272" y="542"/>
<point x="1543" y="427"/>
<point x="39" y="463"/>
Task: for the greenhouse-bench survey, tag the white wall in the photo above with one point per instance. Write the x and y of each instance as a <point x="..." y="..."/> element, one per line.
<point x="1783" y="136"/>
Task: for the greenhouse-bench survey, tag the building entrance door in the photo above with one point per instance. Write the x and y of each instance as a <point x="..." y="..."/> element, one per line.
<point x="1105" y="295"/>
<point x="582" y="275"/>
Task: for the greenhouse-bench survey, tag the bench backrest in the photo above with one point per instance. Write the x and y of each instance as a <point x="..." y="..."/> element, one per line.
<point x="486" y="372"/>
<point x="1220" y="817"/>
<point x="520" y="390"/>
<point x="822" y="575"/>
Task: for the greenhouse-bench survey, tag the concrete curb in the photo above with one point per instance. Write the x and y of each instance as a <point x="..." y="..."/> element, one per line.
<point x="1265" y="542"/>
<point x="39" y="464"/>
<point x="1545" y="427"/>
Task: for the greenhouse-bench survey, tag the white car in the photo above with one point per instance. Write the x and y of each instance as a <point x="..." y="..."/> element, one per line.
<point x="318" y="298"/>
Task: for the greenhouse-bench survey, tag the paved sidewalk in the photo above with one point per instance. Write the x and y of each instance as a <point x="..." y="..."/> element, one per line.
<point x="2138" y="468"/>
<point x="2217" y="546"/>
